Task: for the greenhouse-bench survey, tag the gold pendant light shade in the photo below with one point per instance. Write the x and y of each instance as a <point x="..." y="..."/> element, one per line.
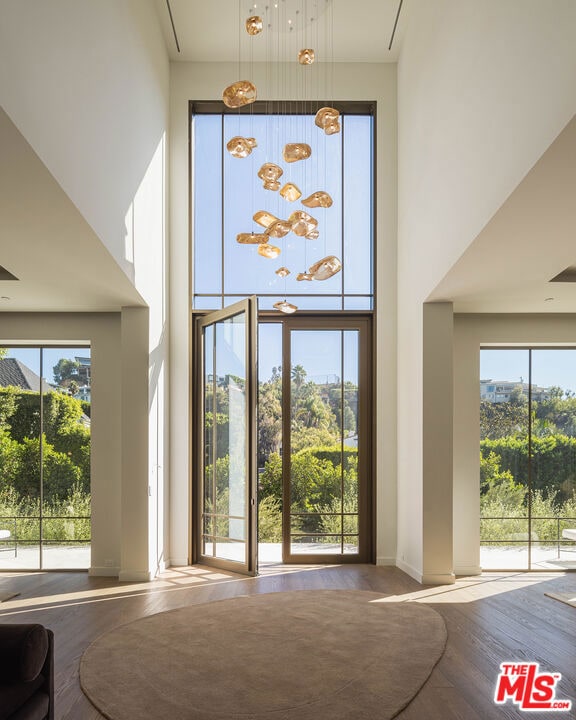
<point x="285" y="307"/>
<point x="282" y="272"/>
<point x="290" y="192"/>
<point x="251" y="238"/>
<point x="269" y="174"/>
<point x="306" y="56"/>
<point x="241" y="147"/>
<point x="302" y="223"/>
<point x="328" y="118"/>
<point x="239" y="94"/>
<point x="279" y="229"/>
<point x="304" y="276"/>
<point x="325" y="268"/>
<point x="254" y="25"/>
<point x="293" y="152"/>
<point x="318" y="199"/>
<point x="264" y="218"/>
<point x="268" y="251"/>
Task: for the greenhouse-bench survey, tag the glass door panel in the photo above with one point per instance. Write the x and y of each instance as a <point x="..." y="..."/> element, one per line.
<point x="504" y="452"/>
<point x="553" y="472"/>
<point x="227" y="463"/>
<point x="327" y="430"/>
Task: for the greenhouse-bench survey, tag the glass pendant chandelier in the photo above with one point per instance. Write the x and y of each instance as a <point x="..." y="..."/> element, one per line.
<point x="327" y="119"/>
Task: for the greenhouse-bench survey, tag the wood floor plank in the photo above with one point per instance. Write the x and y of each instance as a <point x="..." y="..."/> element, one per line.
<point x="490" y="619"/>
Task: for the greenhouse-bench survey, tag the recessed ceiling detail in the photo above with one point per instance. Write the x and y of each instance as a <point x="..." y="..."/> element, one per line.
<point x="6" y="274"/>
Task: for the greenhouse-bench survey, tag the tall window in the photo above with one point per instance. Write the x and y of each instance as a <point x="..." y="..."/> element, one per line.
<point x="227" y="192"/>
<point x="45" y="401"/>
<point x="528" y="458"/>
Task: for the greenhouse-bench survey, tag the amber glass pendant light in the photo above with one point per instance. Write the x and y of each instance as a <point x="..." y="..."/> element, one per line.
<point x="293" y="152"/>
<point x="306" y="56"/>
<point x="254" y="25"/>
<point x="318" y="199"/>
<point x="264" y="218"/>
<point x="268" y="251"/>
<point x="302" y="223"/>
<point x="251" y="238"/>
<point x="269" y="174"/>
<point x="325" y="268"/>
<point x="290" y="192"/>
<point x="239" y="94"/>
<point x="285" y="307"/>
<point x="328" y="118"/>
<point x="241" y="147"/>
<point x="279" y="229"/>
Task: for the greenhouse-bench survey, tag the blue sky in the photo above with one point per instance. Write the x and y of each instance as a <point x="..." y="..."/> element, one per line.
<point x="549" y="366"/>
<point x="31" y="357"/>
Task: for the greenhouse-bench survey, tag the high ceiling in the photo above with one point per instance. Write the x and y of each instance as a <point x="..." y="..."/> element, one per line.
<point x="209" y="31"/>
<point x="507" y="268"/>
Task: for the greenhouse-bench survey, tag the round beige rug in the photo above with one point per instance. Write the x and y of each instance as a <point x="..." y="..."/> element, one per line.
<point x="310" y="655"/>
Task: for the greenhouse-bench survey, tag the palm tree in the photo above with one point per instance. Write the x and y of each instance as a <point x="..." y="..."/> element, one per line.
<point x="298" y="376"/>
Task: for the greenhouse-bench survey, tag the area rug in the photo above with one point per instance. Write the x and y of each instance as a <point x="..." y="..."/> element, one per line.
<point x="308" y="655"/>
<point x="568" y="598"/>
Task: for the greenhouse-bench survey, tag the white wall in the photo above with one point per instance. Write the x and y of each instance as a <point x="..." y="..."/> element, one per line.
<point x="470" y="333"/>
<point x="483" y="89"/>
<point x="87" y="85"/>
<point x="195" y="81"/>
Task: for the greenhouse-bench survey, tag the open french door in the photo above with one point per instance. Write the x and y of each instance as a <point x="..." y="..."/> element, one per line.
<point x="225" y="534"/>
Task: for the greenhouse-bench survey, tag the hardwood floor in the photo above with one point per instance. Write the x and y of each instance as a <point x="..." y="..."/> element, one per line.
<point x="490" y="619"/>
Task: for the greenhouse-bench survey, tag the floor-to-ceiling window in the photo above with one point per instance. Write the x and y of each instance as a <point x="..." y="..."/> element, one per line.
<point x="314" y="371"/>
<point x="528" y="458"/>
<point x="45" y="401"/>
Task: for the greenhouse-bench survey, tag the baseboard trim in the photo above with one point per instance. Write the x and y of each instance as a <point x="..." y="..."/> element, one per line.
<point x="463" y="570"/>
<point x="177" y="562"/>
<point x="409" y="570"/>
<point x="135" y="576"/>
<point x="104" y="571"/>
<point x="386" y="561"/>
<point x="438" y="579"/>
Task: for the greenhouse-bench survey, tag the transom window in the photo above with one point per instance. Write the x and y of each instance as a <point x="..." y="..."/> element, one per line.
<point x="227" y="192"/>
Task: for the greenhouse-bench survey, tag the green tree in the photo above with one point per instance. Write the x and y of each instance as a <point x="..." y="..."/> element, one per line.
<point x="65" y="370"/>
<point x="298" y="376"/>
<point x="502" y="419"/>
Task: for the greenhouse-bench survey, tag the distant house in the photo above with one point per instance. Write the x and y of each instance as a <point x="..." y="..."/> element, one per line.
<point x="496" y="391"/>
<point x="84" y="364"/>
<point x="15" y="373"/>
